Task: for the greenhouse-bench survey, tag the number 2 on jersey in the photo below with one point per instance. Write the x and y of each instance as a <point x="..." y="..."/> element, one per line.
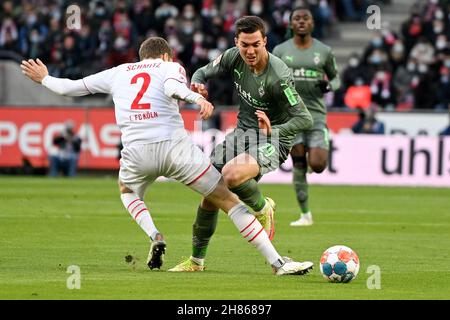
<point x="146" y="77"/>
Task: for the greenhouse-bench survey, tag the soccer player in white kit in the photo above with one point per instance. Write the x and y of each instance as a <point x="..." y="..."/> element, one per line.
<point x="156" y="144"/>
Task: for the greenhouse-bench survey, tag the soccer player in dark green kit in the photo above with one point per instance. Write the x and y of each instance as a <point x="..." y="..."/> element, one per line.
<point x="310" y="61"/>
<point x="271" y="114"/>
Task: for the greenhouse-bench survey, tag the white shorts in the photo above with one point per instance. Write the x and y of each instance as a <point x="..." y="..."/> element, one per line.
<point x="178" y="159"/>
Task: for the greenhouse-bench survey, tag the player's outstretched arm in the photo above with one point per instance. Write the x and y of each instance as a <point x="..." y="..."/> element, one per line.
<point x="37" y="71"/>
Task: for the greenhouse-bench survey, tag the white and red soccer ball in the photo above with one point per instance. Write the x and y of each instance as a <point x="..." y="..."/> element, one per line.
<point x="339" y="264"/>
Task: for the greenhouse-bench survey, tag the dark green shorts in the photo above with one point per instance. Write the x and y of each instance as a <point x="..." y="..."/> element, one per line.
<point x="317" y="137"/>
<point x="267" y="153"/>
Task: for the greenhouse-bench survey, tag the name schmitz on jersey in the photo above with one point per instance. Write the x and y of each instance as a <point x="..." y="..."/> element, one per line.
<point x="144" y="112"/>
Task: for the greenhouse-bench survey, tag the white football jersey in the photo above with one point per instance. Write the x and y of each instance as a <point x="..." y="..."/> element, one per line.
<point x="144" y="111"/>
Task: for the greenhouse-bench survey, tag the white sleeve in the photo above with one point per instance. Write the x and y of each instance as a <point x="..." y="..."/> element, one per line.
<point x="175" y="84"/>
<point x="100" y="82"/>
<point x="65" y="87"/>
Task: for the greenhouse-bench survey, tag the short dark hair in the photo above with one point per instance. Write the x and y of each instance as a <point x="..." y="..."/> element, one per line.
<point x="250" y="24"/>
<point x="154" y="47"/>
<point x="303" y="8"/>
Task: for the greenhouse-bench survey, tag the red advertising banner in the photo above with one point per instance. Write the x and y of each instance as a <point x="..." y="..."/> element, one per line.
<point x="28" y="133"/>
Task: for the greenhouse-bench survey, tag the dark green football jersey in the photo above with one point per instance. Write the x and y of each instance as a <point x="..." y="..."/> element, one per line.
<point x="273" y="91"/>
<point x="308" y="67"/>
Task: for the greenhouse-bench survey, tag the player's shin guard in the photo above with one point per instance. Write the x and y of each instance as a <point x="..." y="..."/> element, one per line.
<point x="202" y="230"/>
<point x="301" y="188"/>
<point x="250" y="194"/>
<point x="139" y="212"/>
<point x="253" y="232"/>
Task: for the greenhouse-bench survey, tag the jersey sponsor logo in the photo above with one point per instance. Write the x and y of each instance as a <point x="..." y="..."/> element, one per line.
<point x="305" y="74"/>
<point x="247" y="96"/>
<point x="290" y="96"/>
<point x="239" y="74"/>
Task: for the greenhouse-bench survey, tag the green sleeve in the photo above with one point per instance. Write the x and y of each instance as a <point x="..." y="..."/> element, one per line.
<point x="221" y="65"/>
<point x="332" y="72"/>
<point x="288" y="98"/>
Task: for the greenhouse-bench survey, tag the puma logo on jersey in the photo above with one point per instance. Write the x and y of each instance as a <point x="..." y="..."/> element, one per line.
<point x="238" y="73"/>
<point x="290" y="58"/>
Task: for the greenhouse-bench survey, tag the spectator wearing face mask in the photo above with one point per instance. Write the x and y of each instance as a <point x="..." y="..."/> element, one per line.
<point x="32" y="33"/>
<point x="381" y="88"/>
<point x="257" y="8"/>
<point x="376" y="44"/>
<point x="432" y="10"/>
<point x="355" y="73"/>
<point x="187" y="23"/>
<point x="376" y="60"/>
<point x="441" y="46"/>
<point x="163" y="12"/>
<point x="397" y="55"/>
<point x="434" y="29"/>
<point x="405" y="81"/>
<point x="424" y="86"/>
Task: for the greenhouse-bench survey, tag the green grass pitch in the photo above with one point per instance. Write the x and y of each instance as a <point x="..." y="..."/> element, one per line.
<point x="47" y="225"/>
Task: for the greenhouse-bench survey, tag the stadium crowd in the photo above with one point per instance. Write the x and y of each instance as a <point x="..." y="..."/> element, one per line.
<point x="399" y="69"/>
<point x="405" y="69"/>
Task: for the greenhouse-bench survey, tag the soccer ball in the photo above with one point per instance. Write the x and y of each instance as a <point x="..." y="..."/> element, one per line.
<point x="339" y="264"/>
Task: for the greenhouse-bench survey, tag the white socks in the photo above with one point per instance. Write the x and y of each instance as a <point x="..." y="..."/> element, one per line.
<point x="307" y="216"/>
<point x="253" y="232"/>
<point x="139" y="212"/>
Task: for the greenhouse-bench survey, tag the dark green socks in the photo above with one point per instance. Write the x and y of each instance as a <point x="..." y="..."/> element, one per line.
<point x="301" y="188"/>
<point x="250" y="194"/>
<point x="202" y="230"/>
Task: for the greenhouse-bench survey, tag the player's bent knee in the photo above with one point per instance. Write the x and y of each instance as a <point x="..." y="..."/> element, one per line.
<point x="318" y="166"/>
<point x="208" y="205"/>
<point x="298" y="151"/>
<point x="231" y="176"/>
<point x="123" y="188"/>
<point x="299" y="162"/>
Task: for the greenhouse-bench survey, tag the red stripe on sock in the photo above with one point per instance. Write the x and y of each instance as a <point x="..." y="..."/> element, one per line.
<point x="200" y="175"/>
<point x="256" y="235"/>
<point x="248" y="226"/>
<point x="132" y="203"/>
<point x="137" y="206"/>
<point x="137" y="214"/>
<point x="249" y="233"/>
